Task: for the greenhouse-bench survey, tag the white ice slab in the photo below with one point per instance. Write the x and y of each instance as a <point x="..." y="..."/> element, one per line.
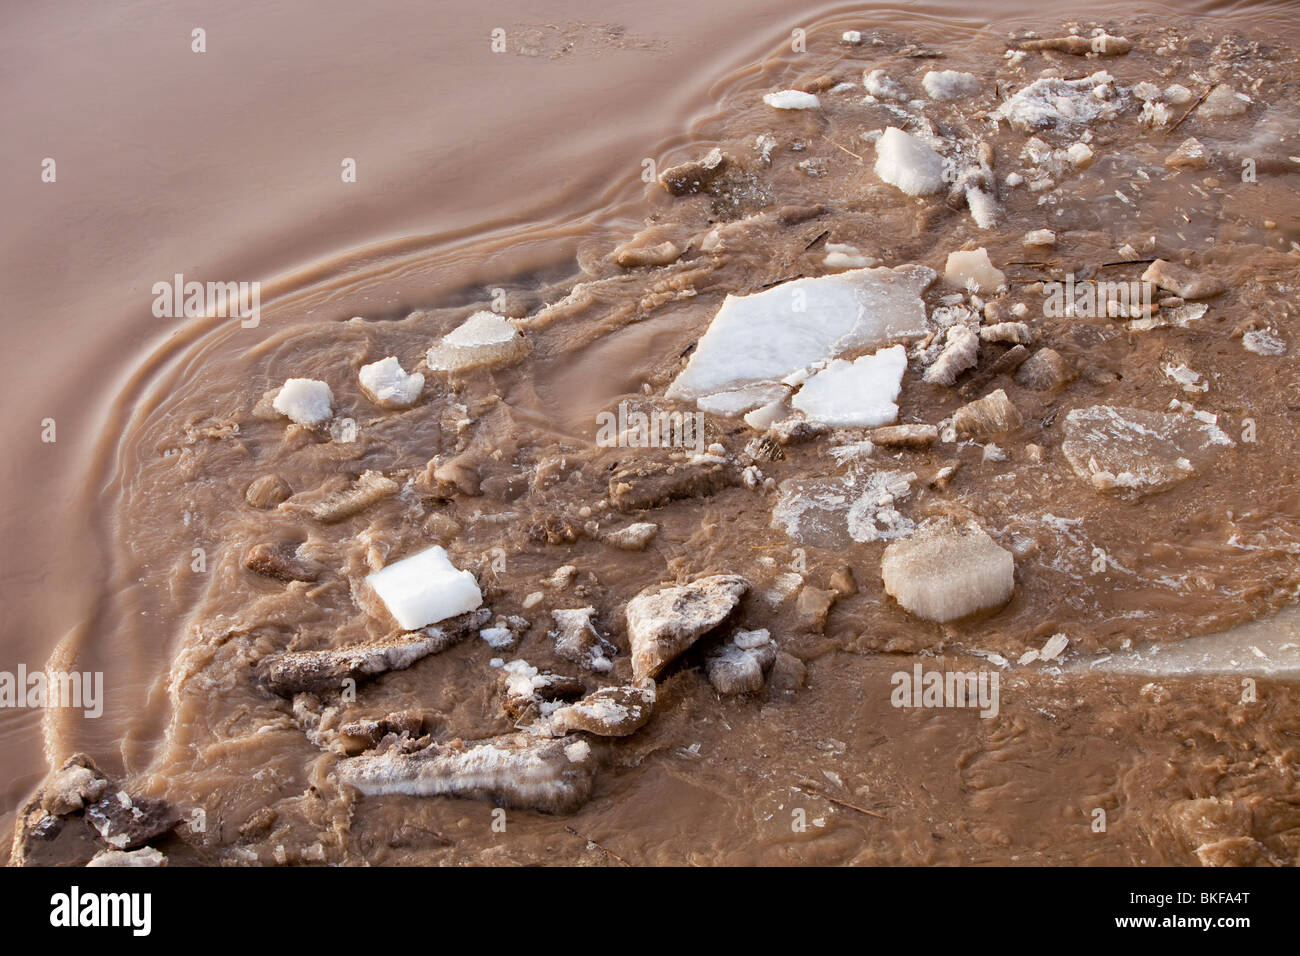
<point x="386" y="383"/>
<point x="909" y="163"/>
<point x="425" y="588"/>
<point x="760" y="339"/>
<point x="860" y="393"/>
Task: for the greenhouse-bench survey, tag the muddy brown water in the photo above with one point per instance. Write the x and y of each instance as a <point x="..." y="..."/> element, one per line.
<point x="521" y="171"/>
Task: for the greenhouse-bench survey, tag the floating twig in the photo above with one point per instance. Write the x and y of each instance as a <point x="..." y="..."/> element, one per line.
<point x="1199" y="101"/>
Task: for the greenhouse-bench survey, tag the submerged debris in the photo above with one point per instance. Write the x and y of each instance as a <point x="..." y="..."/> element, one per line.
<point x="329" y="506"/>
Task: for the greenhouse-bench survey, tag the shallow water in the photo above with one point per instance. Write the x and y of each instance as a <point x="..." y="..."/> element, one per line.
<point x="477" y="169"/>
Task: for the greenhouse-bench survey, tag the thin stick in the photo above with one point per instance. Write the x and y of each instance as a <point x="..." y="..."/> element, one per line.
<point x="1126" y="262"/>
<point x="843" y="803"/>
<point x="598" y="846"/>
<point x="1199" y="101"/>
<point x="845" y="148"/>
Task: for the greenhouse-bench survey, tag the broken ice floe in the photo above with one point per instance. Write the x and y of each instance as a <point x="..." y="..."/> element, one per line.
<point x="862" y="392"/>
<point x="1131" y="450"/>
<point x="425" y="588"/>
<point x="484" y="340"/>
<point x="945" y="572"/>
<point x="972" y="271"/>
<point x="756" y="341"/>
<point x="1052" y="102"/>
<point x="950" y="84"/>
<point x="388" y="386"/>
<point x="833" y="512"/>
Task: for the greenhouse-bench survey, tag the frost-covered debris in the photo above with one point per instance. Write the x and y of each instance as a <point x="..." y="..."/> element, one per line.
<point x="608" y="712"/>
<point x="792" y="100"/>
<point x="1190" y="154"/>
<point x="1130" y="450"/>
<point x="760" y="339"/>
<point x="1055" y="103"/>
<point x="577" y="640"/>
<point x="1181" y="281"/>
<point x="305" y="401"/>
<point x="882" y="87"/>
<point x="960" y="352"/>
<point x="425" y="588"/>
<point x="517" y="771"/>
<point x="950" y="84"/>
<point x="526" y="689"/>
<point x="484" y="340"/>
<point x="740" y="665"/>
<point x="909" y="163"/>
<point x="973" y="271"/>
<point x="1263" y="342"/>
<point x="862" y="393"/>
<point x="663" y="621"/>
<point x="945" y="572"/>
<point x="873" y="517"/>
<point x="387" y="384"/>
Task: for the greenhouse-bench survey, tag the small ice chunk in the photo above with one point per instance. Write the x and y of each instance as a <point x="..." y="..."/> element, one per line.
<point x="484" y="339"/>
<point x="498" y="637"/>
<point x="950" y="84"/>
<point x="973" y="272"/>
<point x="882" y="87"/>
<point x="792" y="100"/>
<point x="852" y="37"/>
<point x="305" y="401"/>
<point x="860" y="393"/>
<point x="387" y="384"/>
<point x="1224" y="101"/>
<point x="1190" y="154"/>
<point x="425" y="588"/>
<point x="960" y="352"/>
<point x="1039" y="237"/>
<point x="1080" y="154"/>
<point x="1055" y="645"/>
<point x="909" y="163"/>
<point x="1054" y="102"/>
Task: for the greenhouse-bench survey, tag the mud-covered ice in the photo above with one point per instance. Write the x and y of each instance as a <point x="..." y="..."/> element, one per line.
<point x="425" y="588"/>
<point x="1131" y="450"/>
<point x="945" y="571"/>
<point x="608" y="712"/>
<point x="859" y="393"/>
<point x="760" y="339"/>
<point x="740" y="665"/>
